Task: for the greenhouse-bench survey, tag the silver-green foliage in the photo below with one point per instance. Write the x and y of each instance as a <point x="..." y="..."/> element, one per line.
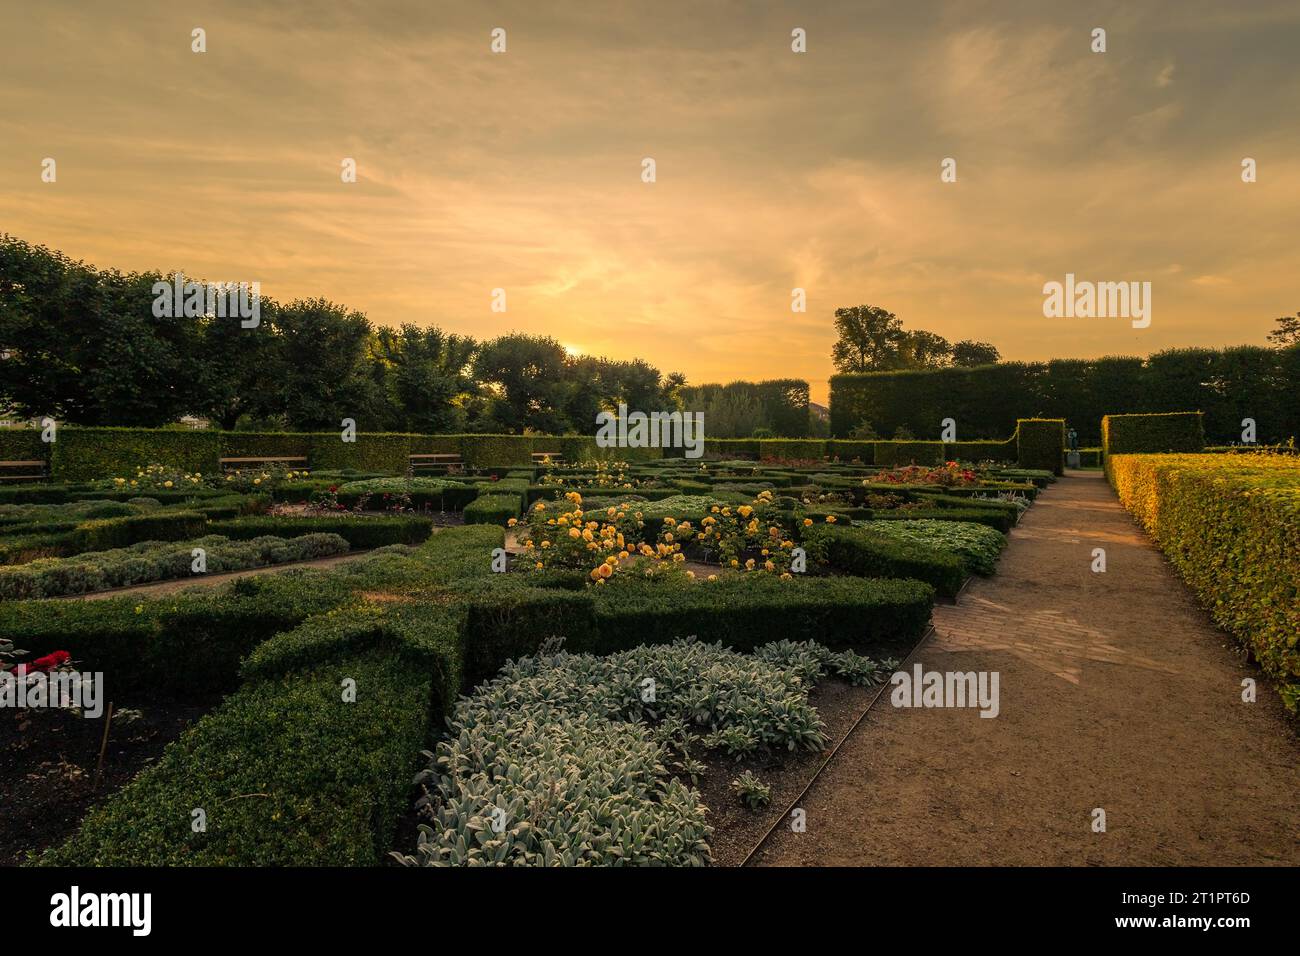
<point x="400" y="485"/>
<point x="977" y="545"/>
<point x="565" y="759"/>
<point x="754" y="793"/>
<point x="151" y="561"/>
<point x="810" y="661"/>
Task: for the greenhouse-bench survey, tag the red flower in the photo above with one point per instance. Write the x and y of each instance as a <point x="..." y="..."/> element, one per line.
<point x="46" y="663"/>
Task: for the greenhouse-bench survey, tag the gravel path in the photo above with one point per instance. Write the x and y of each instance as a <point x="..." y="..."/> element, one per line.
<point x="1116" y="692"/>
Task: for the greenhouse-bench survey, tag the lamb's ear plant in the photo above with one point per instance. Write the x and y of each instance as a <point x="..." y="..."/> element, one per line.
<point x="753" y="792"/>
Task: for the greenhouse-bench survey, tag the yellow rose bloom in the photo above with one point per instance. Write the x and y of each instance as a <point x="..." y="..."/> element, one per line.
<point x="807" y="522"/>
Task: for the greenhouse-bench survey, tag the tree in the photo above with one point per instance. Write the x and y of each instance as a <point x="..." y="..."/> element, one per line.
<point x="426" y="376"/>
<point x="869" y="339"/>
<point x="1287" y="331"/>
<point x="922" y="349"/>
<point x="83" y="345"/>
<point x="318" y="376"/>
<point x="527" y="376"/>
<point x="969" y="354"/>
<point x="674" y="382"/>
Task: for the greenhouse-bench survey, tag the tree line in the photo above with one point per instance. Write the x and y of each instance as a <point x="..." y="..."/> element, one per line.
<point x="84" y="345"/>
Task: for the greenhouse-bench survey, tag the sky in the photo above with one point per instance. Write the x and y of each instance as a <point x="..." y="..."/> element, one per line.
<point x="774" y="170"/>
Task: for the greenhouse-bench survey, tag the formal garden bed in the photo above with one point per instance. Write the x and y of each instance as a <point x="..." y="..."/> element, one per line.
<point x="597" y="661"/>
<point x="712" y="577"/>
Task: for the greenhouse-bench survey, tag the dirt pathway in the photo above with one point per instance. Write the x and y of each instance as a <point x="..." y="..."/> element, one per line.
<point x="1116" y="692"/>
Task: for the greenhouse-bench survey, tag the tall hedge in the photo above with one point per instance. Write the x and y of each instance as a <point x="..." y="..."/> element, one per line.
<point x="23" y="444"/>
<point x="1226" y="384"/>
<point x="265" y="444"/>
<point x="1137" y="434"/>
<point x="86" y="454"/>
<point x="486" y="451"/>
<point x="372" y="451"/>
<point x="1230" y="526"/>
<point x="1040" y="443"/>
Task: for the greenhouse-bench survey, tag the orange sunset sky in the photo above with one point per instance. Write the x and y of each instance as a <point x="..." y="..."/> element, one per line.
<point x="819" y="170"/>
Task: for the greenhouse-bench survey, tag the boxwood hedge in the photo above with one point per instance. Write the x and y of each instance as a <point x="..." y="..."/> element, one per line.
<point x="1230" y="526"/>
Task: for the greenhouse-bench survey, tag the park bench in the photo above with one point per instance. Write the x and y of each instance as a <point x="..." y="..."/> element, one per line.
<point x="555" y="456"/>
<point x="442" y="461"/>
<point x="236" y="463"/>
<point x="33" y="470"/>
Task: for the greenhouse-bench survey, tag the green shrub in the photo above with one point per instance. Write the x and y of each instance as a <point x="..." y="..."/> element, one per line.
<point x="359" y="531"/>
<point x="977" y="546"/>
<point x="1230" y="526"/>
<point x="1139" y="434"/>
<point x="744" y="610"/>
<point x="863" y="553"/>
<point x="999" y="519"/>
<point x="88" y="454"/>
<point x="286" y="771"/>
<point x="151" y="561"/>
<point x="1040" y="443"/>
<point x="590" y="759"/>
<point x="493" y="509"/>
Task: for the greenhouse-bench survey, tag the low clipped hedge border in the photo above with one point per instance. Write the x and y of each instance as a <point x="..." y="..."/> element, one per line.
<point x="1230" y="526"/>
<point x="103" y="534"/>
<point x="493" y="509"/>
<point x="359" y="532"/>
<point x="859" y="552"/>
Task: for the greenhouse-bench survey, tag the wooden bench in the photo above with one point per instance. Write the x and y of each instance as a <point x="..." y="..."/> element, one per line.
<point x="38" y="464"/>
<point x="268" y="460"/>
<point x="555" y="456"/>
<point x="444" y="461"/>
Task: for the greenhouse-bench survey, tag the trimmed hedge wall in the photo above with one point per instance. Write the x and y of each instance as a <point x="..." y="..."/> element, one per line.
<point x="1227" y="384"/>
<point x="89" y="454"/>
<point x="485" y="451"/>
<point x="1040" y="443"/>
<point x="372" y="451"/>
<point x="1230" y="526"/>
<point x="266" y="444"/>
<point x="895" y="454"/>
<point x="847" y="449"/>
<point x="1144" y="434"/>
<point x="23" y="444"/>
